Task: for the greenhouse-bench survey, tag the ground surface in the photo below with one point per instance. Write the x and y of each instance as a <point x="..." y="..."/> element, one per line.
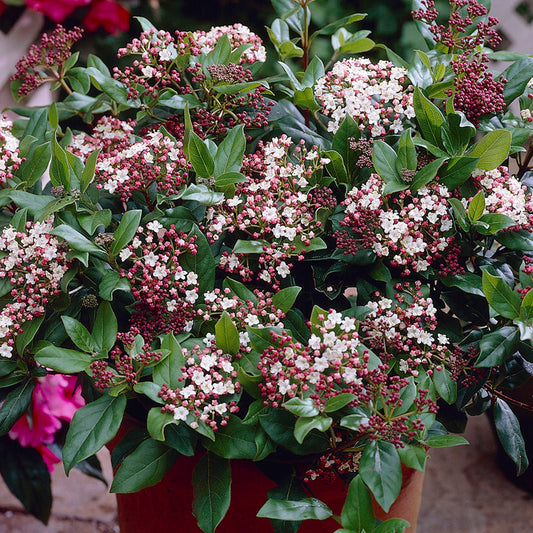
<point x="464" y="492"/>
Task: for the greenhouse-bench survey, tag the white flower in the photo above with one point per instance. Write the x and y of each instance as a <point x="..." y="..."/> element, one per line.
<point x="148" y="71"/>
<point x="180" y="413"/>
<point x="284" y="386"/>
<point x="283" y="270"/>
<point x="166" y="55"/>
<point x="154" y="226"/>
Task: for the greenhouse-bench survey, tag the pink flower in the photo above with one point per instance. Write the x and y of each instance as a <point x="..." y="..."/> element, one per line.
<point x="55" y="398"/>
<point x="57" y="10"/>
<point x="108" y="14"/>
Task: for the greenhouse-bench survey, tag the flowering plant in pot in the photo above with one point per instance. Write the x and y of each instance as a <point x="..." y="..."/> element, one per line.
<point x="294" y="271"/>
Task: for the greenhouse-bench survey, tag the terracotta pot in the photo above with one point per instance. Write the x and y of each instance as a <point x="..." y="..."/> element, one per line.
<point x="146" y="512"/>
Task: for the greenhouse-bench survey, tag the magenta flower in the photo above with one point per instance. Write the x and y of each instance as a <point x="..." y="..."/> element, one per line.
<point x="55" y="398"/>
<point x="57" y="10"/>
<point x="109" y="14"/>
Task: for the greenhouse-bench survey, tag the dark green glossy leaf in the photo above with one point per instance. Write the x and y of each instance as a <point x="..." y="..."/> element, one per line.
<point x="126" y="230"/>
<point x="304" y="425"/>
<point x="226" y="335"/>
<point x="380" y="469"/>
<point x="145" y="467"/>
<point x="492" y="149"/>
<point x="92" y="426"/>
<point x="500" y="296"/>
<point x="78" y="334"/>
<point x="444" y="441"/>
<point x="497" y="346"/>
<point x="510" y="435"/>
<point x="211" y="484"/>
<point x="445" y="386"/>
<point x="168" y="371"/>
<point x="30" y="329"/>
<point x="357" y="512"/>
<point x="105" y="327"/>
<point x="63" y="360"/>
<point x="15" y="405"/>
<point x="236" y="440"/>
<point x="309" y="508"/>
<point x="413" y="456"/>
<point x="111" y="282"/>
<point x="429" y="117"/>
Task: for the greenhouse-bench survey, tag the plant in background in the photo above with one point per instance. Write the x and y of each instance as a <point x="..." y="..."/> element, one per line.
<point x="189" y="261"/>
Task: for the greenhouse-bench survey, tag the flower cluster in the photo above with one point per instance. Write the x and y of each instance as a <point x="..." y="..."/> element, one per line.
<point x="275" y="206"/>
<point x="409" y="229"/>
<point x="505" y="195"/>
<point x="207" y="383"/>
<point x="127" y="164"/>
<point x="402" y="329"/>
<point x="39" y="65"/>
<point x="475" y="91"/>
<point x="165" y="293"/>
<point x="32" y="263"/>
<point x="239" y="35"/>
<point x="257" y="311"/>
<point x="377" y="96"/>
<point x="329" y="364"/>
<point x="9" y="151"/>
<point x="55" y="398"/>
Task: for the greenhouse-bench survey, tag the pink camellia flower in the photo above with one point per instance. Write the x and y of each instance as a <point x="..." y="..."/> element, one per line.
<point x="57" y="10"/>
<point x="109" y="14"/>
<point x="55" y="398"/>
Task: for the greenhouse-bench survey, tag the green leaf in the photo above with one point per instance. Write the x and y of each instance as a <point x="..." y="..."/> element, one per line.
<point x="27" y="477"/>
<point x="476" y="207"/>
<point x="87" y="175"/>
<point x="467" y="282"/>
<point x="306" y="99"/>
<point x="497" y="346"/>
<point x="309" y="508"/>
<point x="380" y="469"/>
<point x="30" y="329"/>
<point x="35" y="164"/>
<point x="126" y="230"/>
<point x="15" y="405"/>
<point x="516" y="240"/>
<point x="285" y="298"/>
<point x="426" y="174"/>
<point x="105" y="327"/>
<point x="510" y="435"/>
<point x="302" y="408"/>
<point x="181" y="438"/>
<point x="460" y="213"/>
<point x="78" y="334"/>
<point x="230" y="178"/>
<point x="429" y="118"/>
<point x="150" y="389"/>
<point x="240" y="290"/>
<point x="457" y="171"/>
<point x="90" y="223"/>
<point x="157" y="421"/>
<point x="493" y="222"/>
<point x="445" y="441"/>
<point x="357" y="512"/>
<point x="314" y="71"/>
<point x="445" y="386"/>
<point x="92" y="426"/>
<point x="111" y="282"/>
<point x="199" y="156"/>
<point x="306" y="424"/>
<point x="226" y="335"/>
<point x="201" y="194"/>
<point x="406" y="152"/>
<point x="249" y="247"/>
<point x="517" y="76"/>
<point x="336" y="167"/>
<point x="77" y="241"/>
<point x="413" y="456"/>
<point x="211" y="481"/>
<point x="230" y="152"/>
<point x="59" y="166"/>
<point x="500" y="296"/>
<point x="145" y="467"/>
<point x="384" y="161"/>
<point x="347" y="131"/>
<point x="63" y="360"/>
<point x="236" y="440"/>
<point x="168" y="371"/>
<point x="492" y="149"/>
<point x="331" y="28"/>
<point x="393" y="525"/>
<point x="338" y="402"/>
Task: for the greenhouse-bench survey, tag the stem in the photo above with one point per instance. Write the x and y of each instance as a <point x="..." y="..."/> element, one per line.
<point x="524" y="165"/>
<point x="149" y="202"/>
<point x="525" y="406"/>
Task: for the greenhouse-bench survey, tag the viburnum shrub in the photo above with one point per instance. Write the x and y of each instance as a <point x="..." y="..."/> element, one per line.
<point x="312" y="266"/>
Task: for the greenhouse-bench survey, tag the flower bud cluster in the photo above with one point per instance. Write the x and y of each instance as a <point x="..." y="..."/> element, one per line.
<point x="127" y="163"/>
<point x="239" y="35"/>
<point x="33" y="262"/>
<point x="403" y="329"/>
<point x="377" y="96"/>
<point x="165" y="293"/>
<point x="410" y="229"/>
<point x="9" y="151"/>
<point x="505" y="195"/>
<point x="207" y="384"/>
<point x="275" y="205"/>
<point x="43" y="59"/>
